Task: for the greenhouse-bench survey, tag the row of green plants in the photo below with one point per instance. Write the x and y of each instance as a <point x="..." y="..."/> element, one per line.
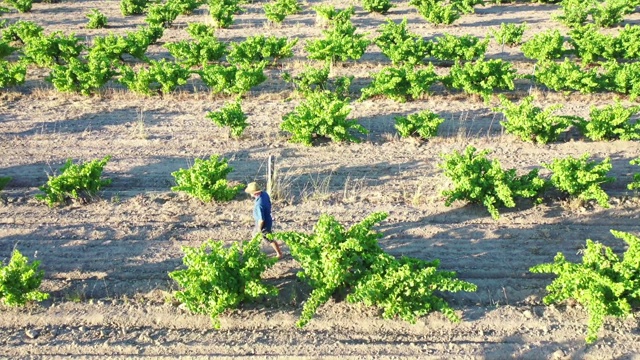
<point x="336" y="261"/>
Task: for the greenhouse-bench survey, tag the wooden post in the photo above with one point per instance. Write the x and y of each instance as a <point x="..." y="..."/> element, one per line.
<point x="271" y="171"/>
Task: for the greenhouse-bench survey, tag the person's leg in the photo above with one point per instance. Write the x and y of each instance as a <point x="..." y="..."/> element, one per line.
<point x="274" y="244"/>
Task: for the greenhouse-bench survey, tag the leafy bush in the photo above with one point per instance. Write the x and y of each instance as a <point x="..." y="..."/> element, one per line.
<point x="152" y="33"/>
<point x="277" y="10"/>
<point x="623" y="78"/>
<point x="164" y="15"/>
<point x="590" y="45"/>
<point x="509" y="34"/>
<point x="635" y="184"/>
<point x="83" y="77"/>
<point x="581" y="178"/>
<point x="97" y="20"/>
<point x="56" y="48"/>
<point x="12" y="74"/>
<point x="629" y="40"/>
<point x="481" y="77"/>
<point x="331" y="15"/>
<point x="22" y="31"/>
<point x="314" y="78"/>
<point x="6" y="49"/>
<point x="611" y="122"/>
<point x="75" y="181"/>
<point x="133" y="7"/>
<point x="324" y="114"/>
<point x="531" y="123"/>
<point x="205" y="49"/>
<point x="567" y="76"/>
<point x="232" y="79"/>
<point x="222" y="11"/>
<point x="230" y="115"/>
<point x="544" y="46"/>
<point x="113" y="47"/>
<point x="379" y="6"/>
<point x="436" y="12"/>
<point x="20" y="280"/>
<point x="400" y="45"/>
<point x="423" y="124"/>
<point x="574" y="12"/>
<point x="256" y="49"/>
<point x="160" y="77"/>
<point x="401" y="84"/>
<point x="4" y="180"/>
<point x="187" y="7"/>
<point x="465" y="47"/>
<point x="340" y="43"/>
<point x="217" y="279"/>
<point x="21" y="5"/>
<point x="610" y="12"/>
<point x="206" y="180"/>
<point x="477" y="179"/>
<point x="602" y="283"/>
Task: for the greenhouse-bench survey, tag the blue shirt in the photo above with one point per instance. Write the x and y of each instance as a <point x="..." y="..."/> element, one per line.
<point x="262" y="210"/>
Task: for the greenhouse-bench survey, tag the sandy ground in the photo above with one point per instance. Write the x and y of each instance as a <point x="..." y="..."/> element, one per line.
<point x="106" y="262"/>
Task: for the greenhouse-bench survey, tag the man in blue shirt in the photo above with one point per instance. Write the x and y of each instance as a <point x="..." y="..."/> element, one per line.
<point x="262" y="214"/>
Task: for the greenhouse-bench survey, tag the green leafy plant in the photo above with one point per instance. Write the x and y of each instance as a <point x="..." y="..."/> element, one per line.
<point x="162" y="14"/>
<point x="400" y="45"/>
<point x="256" y="49"/>
<point x="152" y="33"/>
<point x="401" y="84"/>
<point x="509" y="34"/>
<point x="12" y="74"/>
<point x="4" y="180"/>
<point x="217" y="279"/>
<point x="477" y="179"/>
<point x="544" y="46"/>
<point x="330" y="15"/>
<point x="160" y="77"/>
<point x="531" y="123"/>
<point x="324" y="114"/>
<point x="629" y="40"/>
<point x="187" y="7"/>
<point x="206" y="180"/>
<point x="581" y="178"/>
<point x="21" y="5"/>
<point x="574" y="12"/>
<point x="76" y="181"/>
<point x="314" y="78"/>
<point x="55" y="48"/>
<point x="611" y="122"/>
<point x="222" y="11"/>
<point x="436" y="12"/>
<point x="603" y="284"/>
<point x="423" y="124"/>
<point x="83" y="77"/>
<point x="114" y="47"/>
<point x="610" y="12"/>
<point x="97" y="20"/>
<point x="623" y="78"/>
<point x="20" y="280"/>
<point x="205" y="49"/>
<point x="232" y="79"/>
<point x="22" y="31"/>
<point x="277" y="10"/>
<point x="230" y="115"/>
<point x="590" y="45"/>
<point x="466" y="47"/>
<point x="379" y="6"/>
<point x="568" y="76"/>
<point x="340" y="43"/>
<point x="6" y="49"/>
<point x="635" y="184"/>
<point x="481" y="77"/>
<point x="133" y="7"/>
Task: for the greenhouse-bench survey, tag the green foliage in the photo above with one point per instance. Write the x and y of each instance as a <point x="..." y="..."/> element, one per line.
<point x="400" y="45"/>
<point x="20" y="280"/>
<point x="75" y="181"/>
<point x="97" y="20"/>
<point x="481" y="77"/>
<point x="6" y="49"/>
<point x="314" y="78"/>
<point x="629" y="39"/>
<point x="133" y="7"/>
<point x="232" y="79"/>
<point x="509" y="34"/>
<point x="22" y="31"/>
<point x="151" y="32"/>
<point x="423" y="124"/>
<point x="379" y="6"/>
<point x="187" y="7"/>
<point x="331" y="15"/>
<point x="436" y="11"/>
<point x="623" y="78"/>
<point x="277" y="10"/>
<point x="83" y="77"/>
<point x="205" y="49"/>
<point x="581" y="178"/>
<point x="164" y="15"/>
<point x="465" y="47"/>
<point x="477" y="179"/>
<point x="611" y="122"/>
<point x="12" y="74"/>
<point x="568" y="76"/>
<point x="340" y="43"/>
<point x="160" y="77"/>
<point x="206" y="180"/>
<point x="609" y="12"/>
<point x="544" y="46"/>
<point x="21" y="5"/>
<point x="401" y="84"/>
<point x="590" y="45"/>
<point x="634" y="185"/>
<point x="531" y="123"/>
<point x="406" y="288"/>
<point x="322" y="113"/>
<point x="603" y="284"/>
<point x="56" y="48"/>
<point x="574" y="12"/>
<point x="217" y="279"/>
<point x="256" y="49"/>
<point x="222" y="11"/>
<point x="4" y="180"/>
<point x="113" y="47"/>
<point x="230" y="115"/>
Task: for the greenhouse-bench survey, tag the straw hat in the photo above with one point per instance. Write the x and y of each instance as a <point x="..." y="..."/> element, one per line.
<point x="252" y="188"/>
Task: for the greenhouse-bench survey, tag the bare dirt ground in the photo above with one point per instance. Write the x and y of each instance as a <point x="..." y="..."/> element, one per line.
<point x="106" y="262"/>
